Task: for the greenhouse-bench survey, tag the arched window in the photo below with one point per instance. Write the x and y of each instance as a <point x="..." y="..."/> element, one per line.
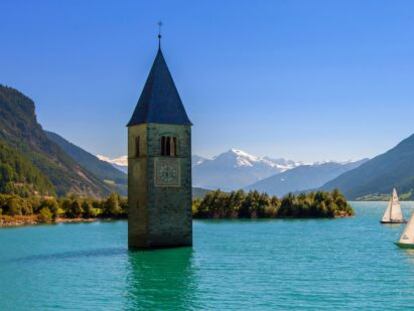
<point x="174" y="146"/>
<point x="137" y="149"/>
<point x="163" y="152"/>
<point x="168" y="146"/>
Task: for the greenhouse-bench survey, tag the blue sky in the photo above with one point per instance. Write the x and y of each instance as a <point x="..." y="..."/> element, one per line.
<point x="305" y="80"/>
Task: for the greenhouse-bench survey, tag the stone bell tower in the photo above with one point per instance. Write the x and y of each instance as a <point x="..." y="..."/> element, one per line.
<point x="159" y="165"/>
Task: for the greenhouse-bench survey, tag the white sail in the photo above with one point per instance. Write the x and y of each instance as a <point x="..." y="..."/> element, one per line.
<point x="407" y="237"/>
<point x="387" y="215"/>
<point x="393" y="213"/>
<point x="396" y="212"/>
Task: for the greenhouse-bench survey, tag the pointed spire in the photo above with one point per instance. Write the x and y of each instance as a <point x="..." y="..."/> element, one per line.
<point x="159" y="101"/>
<point x="159" y="34"/>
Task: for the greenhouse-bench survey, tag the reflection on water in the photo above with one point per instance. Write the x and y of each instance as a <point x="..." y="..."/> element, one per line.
<point x="409" y="253"/>
<point x="105" y="252"/>
<point x="160" y="279"/>
<point x="342" y="264"/>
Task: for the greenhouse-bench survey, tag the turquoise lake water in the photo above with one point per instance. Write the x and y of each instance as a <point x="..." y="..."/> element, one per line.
<point x="337" y="264"/>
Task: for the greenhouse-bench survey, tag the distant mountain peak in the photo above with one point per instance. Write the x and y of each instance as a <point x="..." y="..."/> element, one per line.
<point x="332" y="161"/>
<point x="244" y="159"/>
<point x="303" y="177"/>
<point x="235" y="169"/>
<point x="120" y="161"/>
<point x="243" y="154"/>
<point x="197" y="160"/>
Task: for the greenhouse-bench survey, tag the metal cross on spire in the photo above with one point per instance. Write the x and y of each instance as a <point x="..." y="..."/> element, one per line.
<point x="159" y="33"/>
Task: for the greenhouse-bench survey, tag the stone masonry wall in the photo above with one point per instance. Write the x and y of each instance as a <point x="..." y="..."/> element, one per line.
<point x="161" y="216"/>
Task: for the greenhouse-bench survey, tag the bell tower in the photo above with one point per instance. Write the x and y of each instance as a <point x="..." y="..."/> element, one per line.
<point x="159" y="165"/>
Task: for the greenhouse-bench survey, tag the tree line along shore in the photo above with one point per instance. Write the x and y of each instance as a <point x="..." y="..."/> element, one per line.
<point x="16" y="210"/>
<point x="239" y="204"/>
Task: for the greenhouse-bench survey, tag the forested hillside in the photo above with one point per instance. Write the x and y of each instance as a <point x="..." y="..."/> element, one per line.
<point x="18" y="175"/>
<point x="101" y="169"/>
<point x="21" y="131"/>
<point x="377" y="177"/>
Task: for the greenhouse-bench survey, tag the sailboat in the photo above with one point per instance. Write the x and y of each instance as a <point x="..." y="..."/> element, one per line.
<point x="407" y="237"/>
<point x="393" y="214"/>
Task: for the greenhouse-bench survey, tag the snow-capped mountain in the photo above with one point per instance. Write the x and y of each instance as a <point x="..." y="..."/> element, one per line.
<point x="243" y="158"/>
<point x="121" y="163"/>
<point x="197" y="160"/>
<point x="236" y="169"/>
<point x="304" y="177"/>
<point x="230" y="170"/>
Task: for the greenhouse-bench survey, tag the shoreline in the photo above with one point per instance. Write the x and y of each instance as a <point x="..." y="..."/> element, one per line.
<point x="32" y="220"/>
<point x="21" y="221"/>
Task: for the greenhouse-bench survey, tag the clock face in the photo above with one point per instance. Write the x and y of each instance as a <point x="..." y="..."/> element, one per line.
<point x="167" y="172"/>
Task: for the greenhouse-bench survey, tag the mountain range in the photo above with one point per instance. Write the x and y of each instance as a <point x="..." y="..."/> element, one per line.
<point x="36" y="161"/>
<point x="33" y="160"/>
<point x="377" y="177"/>
<point x="230" y="170"/>
<point x="237" y="169"/>
<point x="101" y="169"/>
<point x="304" y="177"/>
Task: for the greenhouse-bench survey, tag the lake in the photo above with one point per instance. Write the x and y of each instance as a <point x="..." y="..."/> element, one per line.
<point x="337" y="264"/>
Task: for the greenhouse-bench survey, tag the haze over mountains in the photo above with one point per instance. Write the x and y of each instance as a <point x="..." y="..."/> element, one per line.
<point x="363" y="179"/>
<point x="237" y="169"/>
<point x="304" y="177"/>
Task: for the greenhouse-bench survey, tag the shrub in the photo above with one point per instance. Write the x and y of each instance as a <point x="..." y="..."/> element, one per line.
<point x="74" y="209"/>
<point x="45" y="215"/>
<point x="89" y="211"/>
<point x="52" y="205"/>
<point x="14" y="206"/>
<point x="112" y="206"/>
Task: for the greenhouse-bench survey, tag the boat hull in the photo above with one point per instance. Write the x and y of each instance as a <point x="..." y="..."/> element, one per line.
<point x="404" y="245"/>
<point x="393" y="222"/>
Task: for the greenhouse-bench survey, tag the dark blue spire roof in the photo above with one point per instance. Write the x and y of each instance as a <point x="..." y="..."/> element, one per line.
<point x="159" y="101"/>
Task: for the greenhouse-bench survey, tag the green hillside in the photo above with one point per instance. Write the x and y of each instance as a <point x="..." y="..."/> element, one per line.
<point x="19" y="176"/>
<point x="101" y="169"/>
<point x="21" y="131"/>
<point x="378" y="176"/>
